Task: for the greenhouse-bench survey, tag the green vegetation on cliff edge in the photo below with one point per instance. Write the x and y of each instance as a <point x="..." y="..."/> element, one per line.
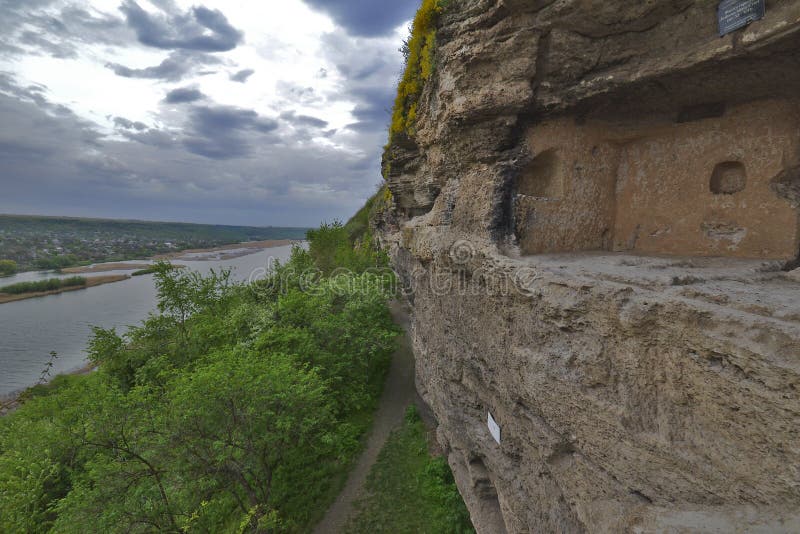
<point x="236" y="408"/>
<point x="419" y="51"/>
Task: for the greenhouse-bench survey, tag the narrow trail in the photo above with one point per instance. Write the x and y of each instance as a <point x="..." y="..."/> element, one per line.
<point x="398" y="393"/>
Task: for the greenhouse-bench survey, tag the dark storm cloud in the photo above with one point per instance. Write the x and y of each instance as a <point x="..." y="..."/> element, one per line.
<point x="297" y="93"/>
<point x="33" y="142"/>
<point x="369" y="18"/>
<point x="87" y="27"/>
<point x="35" y="40"/>
<point x="225" y="132"/>
<point x="373" y="111"/>
<point x="303" y="120"/>
<point x="122" y="122"/>
<point x="34" y="94"/>
<point x="242" y="75"/>
<point x="150" y="137"/>
<point x="313" y="122"/>
<point x="365" y="71"/>
<point x="209" y="120"/>
<point x="175" y="67"/>
<point x="189" y="31"/>
<point x="170" y="69"/>
<point x="184" y="95"/>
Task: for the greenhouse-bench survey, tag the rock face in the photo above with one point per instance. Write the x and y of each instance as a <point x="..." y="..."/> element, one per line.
<point x="595" y="219"/>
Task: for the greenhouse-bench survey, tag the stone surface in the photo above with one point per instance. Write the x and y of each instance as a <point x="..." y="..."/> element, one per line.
<point x="558" y="143"/>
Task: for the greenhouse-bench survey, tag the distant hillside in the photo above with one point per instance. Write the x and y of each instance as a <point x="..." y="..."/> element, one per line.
<point x="36" y="242"/>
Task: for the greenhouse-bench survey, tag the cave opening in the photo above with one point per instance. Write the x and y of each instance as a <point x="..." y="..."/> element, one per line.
<point x="542" y="178"/>
<point x="728" y="178"/>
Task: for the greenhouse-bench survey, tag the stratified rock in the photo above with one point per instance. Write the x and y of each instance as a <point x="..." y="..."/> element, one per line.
<point x="592" y="218"/>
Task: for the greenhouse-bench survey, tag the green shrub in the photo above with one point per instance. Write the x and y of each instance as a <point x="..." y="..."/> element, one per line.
<point x="142" y="272"/>
<point x="152" y="269"/>
<point x="8" y="267"/>
<point x="44" y="285"/>
<point x="358" y="227"/>
<point x="56" y="262"/>
<point x="334" y="246"/>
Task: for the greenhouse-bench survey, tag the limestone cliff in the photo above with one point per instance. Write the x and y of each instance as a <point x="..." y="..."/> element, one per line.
<point x="595" y="215"/>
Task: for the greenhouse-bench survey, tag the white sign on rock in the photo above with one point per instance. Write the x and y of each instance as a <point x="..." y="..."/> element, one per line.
<point x="494" y="428"/>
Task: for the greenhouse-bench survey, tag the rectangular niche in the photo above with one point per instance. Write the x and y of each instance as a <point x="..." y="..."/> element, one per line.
<point x="543" y="177"/>
<point x="705" y="188"/>
<point x="564" y="198"/>
<point x="697" y="188"/>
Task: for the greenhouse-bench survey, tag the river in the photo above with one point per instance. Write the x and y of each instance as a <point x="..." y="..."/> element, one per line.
<point x="31" y="329"/>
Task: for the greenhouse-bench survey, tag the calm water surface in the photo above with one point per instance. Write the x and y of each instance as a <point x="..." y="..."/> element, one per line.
<point x="30" y="329"/>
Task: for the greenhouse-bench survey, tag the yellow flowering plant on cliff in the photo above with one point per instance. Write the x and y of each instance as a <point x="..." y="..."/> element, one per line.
<point x="419" y="67"/>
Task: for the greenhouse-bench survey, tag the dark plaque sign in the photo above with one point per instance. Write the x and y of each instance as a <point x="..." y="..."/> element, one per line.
<point x="735" y="14"/>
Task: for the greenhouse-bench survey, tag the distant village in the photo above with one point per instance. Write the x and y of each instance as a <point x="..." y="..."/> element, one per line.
<point x="56" y="250"/>
<point x="45" y="243"/>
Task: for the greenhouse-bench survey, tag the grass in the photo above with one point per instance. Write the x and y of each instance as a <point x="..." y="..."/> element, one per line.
<point x="43" y="285"/>
<point x="410" y="491"/>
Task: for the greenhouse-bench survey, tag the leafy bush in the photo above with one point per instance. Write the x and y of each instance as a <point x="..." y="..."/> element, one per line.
<point x="43" y="285"/>
<point x="8" y="267"/>
<point x="331" y="247"/>
<point x="54" y="263"/>
<point x="158" y="266"/>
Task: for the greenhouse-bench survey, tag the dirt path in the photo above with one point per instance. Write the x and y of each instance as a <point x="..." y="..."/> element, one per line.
<point x="398" y="393"/>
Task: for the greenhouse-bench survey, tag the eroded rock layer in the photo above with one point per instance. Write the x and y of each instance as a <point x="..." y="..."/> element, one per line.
<point x="596" y="217"/>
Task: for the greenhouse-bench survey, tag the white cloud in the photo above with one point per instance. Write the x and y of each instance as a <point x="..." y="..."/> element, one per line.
<point x="308" y="75"/>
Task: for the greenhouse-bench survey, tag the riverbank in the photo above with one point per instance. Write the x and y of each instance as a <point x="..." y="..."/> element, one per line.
<point x="226" y="252"/>
<point x="90" y="282"/>
<point x="11" y="401"/>
<point x="104" y="268"/>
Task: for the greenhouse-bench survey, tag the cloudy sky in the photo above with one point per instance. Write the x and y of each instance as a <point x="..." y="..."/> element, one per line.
<point x="221" y="111"/>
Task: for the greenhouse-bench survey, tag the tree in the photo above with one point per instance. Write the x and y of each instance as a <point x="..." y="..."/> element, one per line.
<point x="249" y="427"/>
<point x="128" y="480"/>
<point x="180" y="293"/>
<point x="56" y="262"/>
<point x="8" y="267"/>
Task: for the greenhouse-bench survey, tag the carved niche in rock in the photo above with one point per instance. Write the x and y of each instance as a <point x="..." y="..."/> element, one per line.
<point x="698" y="188"/>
